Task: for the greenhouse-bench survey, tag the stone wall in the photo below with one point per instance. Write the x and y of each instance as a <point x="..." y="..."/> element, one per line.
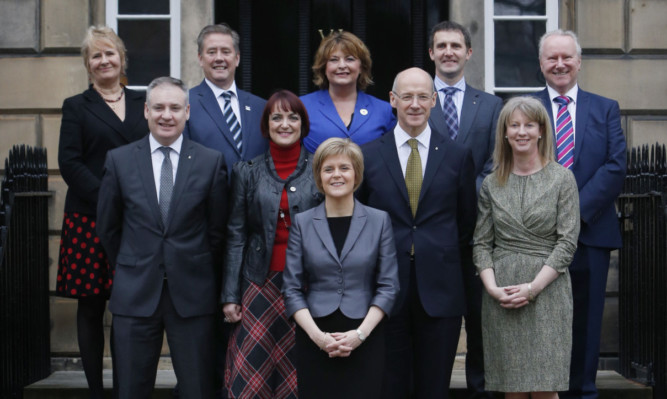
<point x="40" y="66"/>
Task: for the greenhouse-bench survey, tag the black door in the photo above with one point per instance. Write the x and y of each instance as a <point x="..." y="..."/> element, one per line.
<point x="279" y="38"/>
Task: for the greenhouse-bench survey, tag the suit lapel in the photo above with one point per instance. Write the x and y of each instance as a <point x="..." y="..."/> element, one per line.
<point x="246" y="114"/>
<point x="436" y="153"/>
<point x="328" y="111"/>
<point x="357" y="224"/>
<point x="583" y="107"/>
<point x="322" y="229"/>
<point x="390" y="157"/>
<point x="185" y="160"/>
<point x="359" y="118"/>
<point x="97" y="107"/>
<point x="134" y="113"/>
<point x="212" y="107"/>
<point x="145" y="166"/>
<point x="437" y="118"/>
<point x="468" y="113"/>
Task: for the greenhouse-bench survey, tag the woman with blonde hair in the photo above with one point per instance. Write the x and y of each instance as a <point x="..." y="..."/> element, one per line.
<point x="341" y="280"/>
<point x="525" y="238"/>
<point x="105" y="116"/>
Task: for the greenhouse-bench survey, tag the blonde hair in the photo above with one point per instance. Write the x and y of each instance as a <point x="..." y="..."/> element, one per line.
<point x="104" y="34"/>
<point x="350" y="44"/>
<point x="534" y="111"/>
<point x="337" y="146"/>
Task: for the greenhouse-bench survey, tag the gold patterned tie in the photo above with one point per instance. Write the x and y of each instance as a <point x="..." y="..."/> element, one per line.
<point x="413" y="176"/>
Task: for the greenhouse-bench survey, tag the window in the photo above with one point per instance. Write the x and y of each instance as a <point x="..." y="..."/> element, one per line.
<point x="152" y="35"/>
<point x="511" y="39"/>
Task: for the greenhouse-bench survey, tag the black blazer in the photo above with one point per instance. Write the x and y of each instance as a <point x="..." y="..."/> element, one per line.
<point x="88" y="130"/>
<point x="442" y="229"/>
<point x="142" y="249"/>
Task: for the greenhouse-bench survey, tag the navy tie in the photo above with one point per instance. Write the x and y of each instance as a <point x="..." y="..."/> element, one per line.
<point x="449" y="109"/>
<point x="230" y="118"/>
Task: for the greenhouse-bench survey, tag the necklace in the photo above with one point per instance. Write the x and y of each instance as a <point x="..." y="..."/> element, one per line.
<point x="113" y="103"/>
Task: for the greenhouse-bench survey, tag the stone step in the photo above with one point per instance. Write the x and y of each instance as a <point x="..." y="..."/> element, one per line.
<point x="72" y="385"/>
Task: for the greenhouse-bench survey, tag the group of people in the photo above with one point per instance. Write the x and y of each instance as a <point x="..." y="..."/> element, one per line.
<point x="329" y="246"/>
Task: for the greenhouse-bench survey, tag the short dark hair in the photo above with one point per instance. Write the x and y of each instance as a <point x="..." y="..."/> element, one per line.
<point x="167" y="80"/>
<point x="219" y="28"/>
<point x="450" y="26"/>
<point x="288" y="101"/>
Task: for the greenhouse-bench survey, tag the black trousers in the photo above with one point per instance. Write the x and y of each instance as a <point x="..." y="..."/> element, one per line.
<point x="138" y="342"/>
<point x="420" y="350"/>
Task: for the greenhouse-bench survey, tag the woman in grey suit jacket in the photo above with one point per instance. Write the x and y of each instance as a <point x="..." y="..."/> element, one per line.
<point x="341" y="279"/>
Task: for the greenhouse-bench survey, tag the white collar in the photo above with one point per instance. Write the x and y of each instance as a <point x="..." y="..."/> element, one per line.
<point x="176" y="145"/>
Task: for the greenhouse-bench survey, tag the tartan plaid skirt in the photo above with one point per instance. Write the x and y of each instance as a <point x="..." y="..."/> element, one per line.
<point x="260" y="356"/>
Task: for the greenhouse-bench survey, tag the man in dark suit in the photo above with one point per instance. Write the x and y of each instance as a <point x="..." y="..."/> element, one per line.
<point x="161" y="217"/>
<point x="470" y="119"/>
<point x="226" y="119"/>
<point x="222" y="116"/>
<point x="596" y="156"/>
<point x="426" y="182"/>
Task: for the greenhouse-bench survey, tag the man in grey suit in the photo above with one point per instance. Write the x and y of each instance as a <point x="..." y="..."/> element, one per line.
<point x="161" y="218"/>
<point x="469" y="117"/>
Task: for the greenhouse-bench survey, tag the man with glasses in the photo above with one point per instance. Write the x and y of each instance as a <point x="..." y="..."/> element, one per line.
<point x="426" y="182"/>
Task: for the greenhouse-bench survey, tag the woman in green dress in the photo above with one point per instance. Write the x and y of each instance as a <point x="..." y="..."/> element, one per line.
<point x="525" y="238"/>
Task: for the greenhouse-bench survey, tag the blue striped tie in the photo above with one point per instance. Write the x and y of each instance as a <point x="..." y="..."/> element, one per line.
<point x="449" y="109"/>
<point x="230" y="118"/>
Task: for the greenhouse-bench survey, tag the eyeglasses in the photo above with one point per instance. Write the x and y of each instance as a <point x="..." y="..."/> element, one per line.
<point x="408" y="98"/>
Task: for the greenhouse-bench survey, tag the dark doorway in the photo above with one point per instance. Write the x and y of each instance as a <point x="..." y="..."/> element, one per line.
<point x="279" y="38"/>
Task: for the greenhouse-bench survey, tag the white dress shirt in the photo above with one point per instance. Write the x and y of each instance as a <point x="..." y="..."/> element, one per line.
<point x="457" y="97"/>
<point x="157" y="156"/>
<point x="404" y="149"/>
<point x="571" y="107"/>
<point x="217" y="92"/>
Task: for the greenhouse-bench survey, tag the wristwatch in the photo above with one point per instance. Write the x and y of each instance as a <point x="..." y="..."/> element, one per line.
<point x="361" y="335"/>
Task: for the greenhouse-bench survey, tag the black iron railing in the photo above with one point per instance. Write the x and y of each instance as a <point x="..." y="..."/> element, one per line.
<point x="24" y="275"/>
<point x="643" y="269"/>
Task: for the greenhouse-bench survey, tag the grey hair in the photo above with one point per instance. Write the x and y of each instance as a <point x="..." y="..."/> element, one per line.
<point x="167" y="80"/>
<point x="560" y="32"/>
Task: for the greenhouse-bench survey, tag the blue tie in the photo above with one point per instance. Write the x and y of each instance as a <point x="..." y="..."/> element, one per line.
<point x="449" y="109"/>
<point x="230" y="118"/>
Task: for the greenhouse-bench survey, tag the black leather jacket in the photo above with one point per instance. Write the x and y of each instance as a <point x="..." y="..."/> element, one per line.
<point x="255" y="195"/>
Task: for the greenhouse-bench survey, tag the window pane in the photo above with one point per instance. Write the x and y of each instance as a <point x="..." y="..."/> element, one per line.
<point x="143" y="6"/>
<point x="519" y="7"/>
<point x="147" y="43"/>
<point x="507" y="96"/>
<point x="516" y="53"/>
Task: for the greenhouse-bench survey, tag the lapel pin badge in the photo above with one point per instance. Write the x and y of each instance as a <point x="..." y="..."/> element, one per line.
<point x="247" y="108"/>
<point x="363" y="111"/>
<point x="436" y="148"/>
<point x="189" y="156"/>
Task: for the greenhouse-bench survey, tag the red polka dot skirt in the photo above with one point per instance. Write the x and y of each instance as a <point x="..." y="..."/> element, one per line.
<point x="83" y="269"/>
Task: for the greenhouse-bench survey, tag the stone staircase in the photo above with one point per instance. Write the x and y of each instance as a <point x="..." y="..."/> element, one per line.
<point x="70" y="383"/>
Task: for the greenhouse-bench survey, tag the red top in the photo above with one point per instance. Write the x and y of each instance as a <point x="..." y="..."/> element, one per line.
<point x="285" y="160"/>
